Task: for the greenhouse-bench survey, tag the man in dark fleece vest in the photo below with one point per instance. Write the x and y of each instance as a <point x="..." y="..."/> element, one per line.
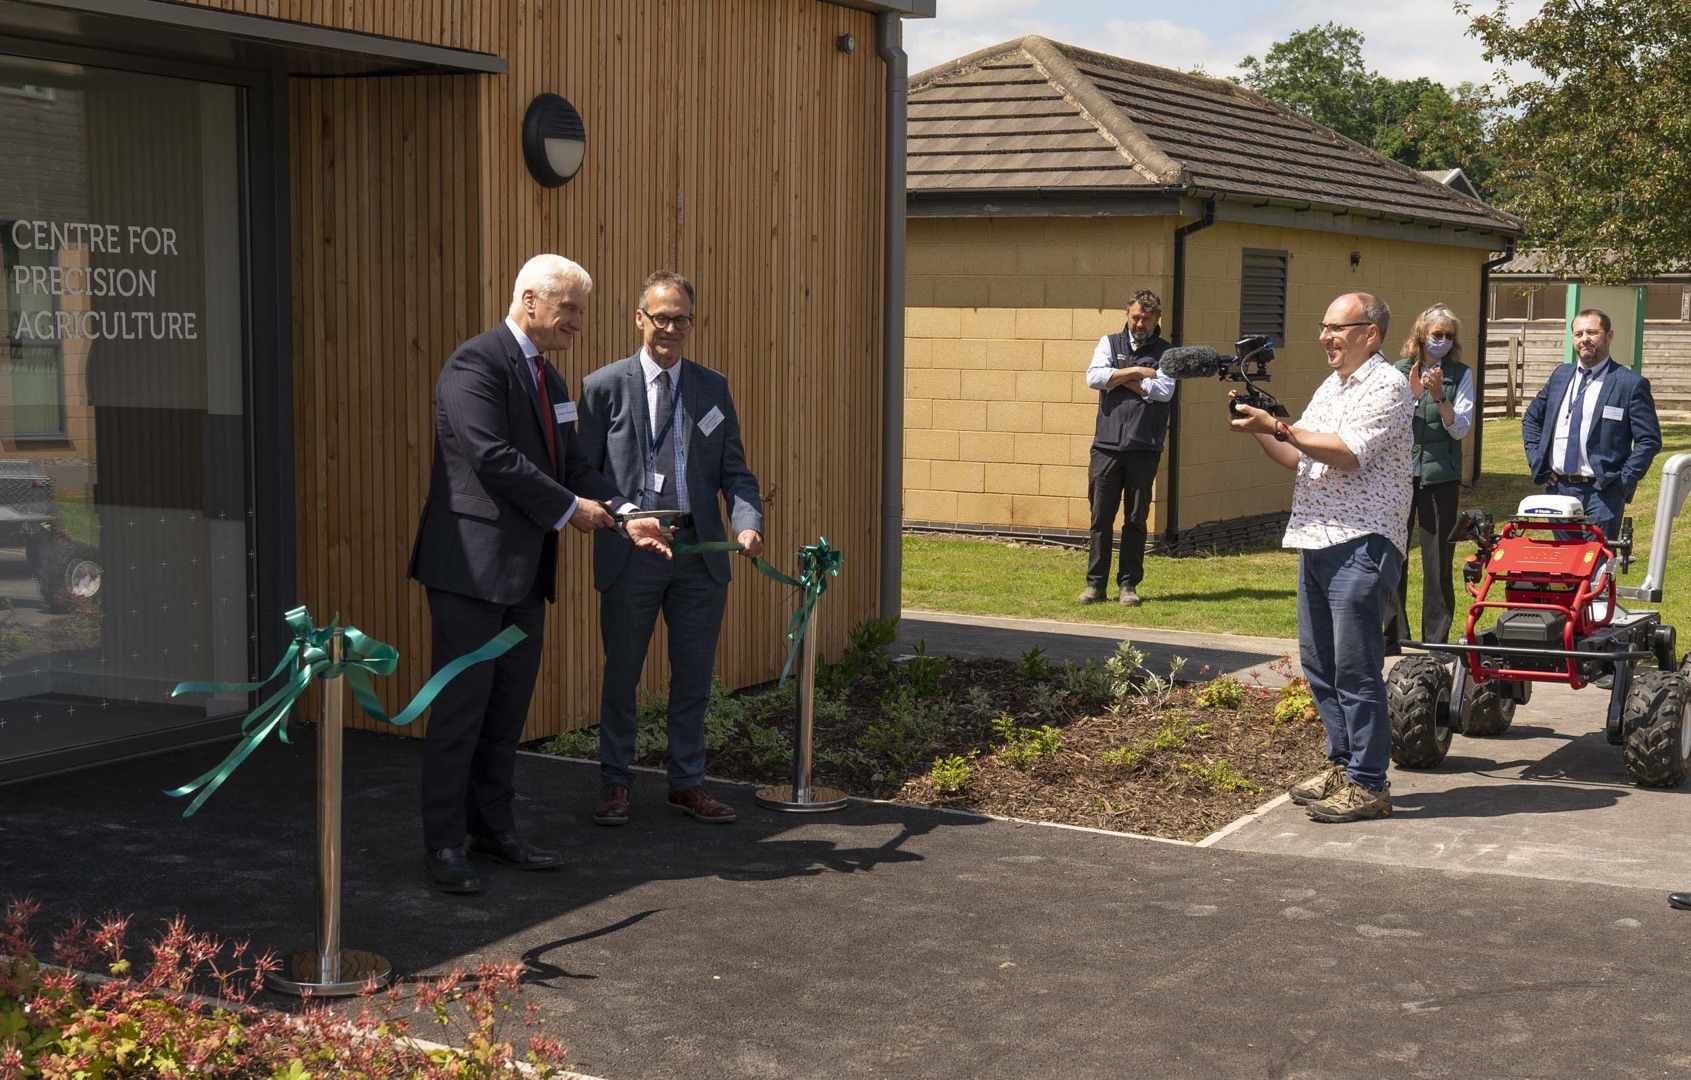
<point x="1127" y="443"/>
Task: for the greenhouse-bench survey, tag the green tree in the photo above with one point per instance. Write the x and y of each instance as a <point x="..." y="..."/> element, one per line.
<point x="1319" y="73"/>
<point x="1595" y="150"/>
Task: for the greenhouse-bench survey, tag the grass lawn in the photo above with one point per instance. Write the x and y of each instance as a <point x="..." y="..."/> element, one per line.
<point x="1243" y="594"/>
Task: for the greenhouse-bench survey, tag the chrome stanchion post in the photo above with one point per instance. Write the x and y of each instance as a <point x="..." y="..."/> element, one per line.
<point x="800" y="797"/>
<point x="329" y="970"/>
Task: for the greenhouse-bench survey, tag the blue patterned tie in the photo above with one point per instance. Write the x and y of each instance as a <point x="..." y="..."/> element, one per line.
<point x="1576" y="418"/>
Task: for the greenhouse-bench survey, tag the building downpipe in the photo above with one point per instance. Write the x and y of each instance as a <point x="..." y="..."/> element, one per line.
<point x="889" y="43"/>
<point x="1177" y="336"/>
<point x="1479" y="349"/>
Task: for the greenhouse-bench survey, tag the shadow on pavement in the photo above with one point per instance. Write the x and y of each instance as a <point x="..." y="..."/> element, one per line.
<point x="1496" y="800"/>
<point x="107" y="840"/>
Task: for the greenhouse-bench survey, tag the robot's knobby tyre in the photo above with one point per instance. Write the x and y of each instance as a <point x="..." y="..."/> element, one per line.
<point x="1418" y="701"/>
<point x="70" y="576"/>
<point x="1658" y="740"/>
<point x="1489" y="707"/>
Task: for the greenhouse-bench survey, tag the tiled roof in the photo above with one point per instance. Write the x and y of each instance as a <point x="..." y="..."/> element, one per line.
<point x="1037" y="115"/>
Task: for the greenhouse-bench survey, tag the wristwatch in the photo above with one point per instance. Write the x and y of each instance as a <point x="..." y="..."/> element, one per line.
<point x="1281" y="431"/>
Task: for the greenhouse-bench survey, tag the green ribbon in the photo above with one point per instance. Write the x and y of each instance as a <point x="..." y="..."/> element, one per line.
<point x="817" y="563"/>
<point x="362" y="658"/>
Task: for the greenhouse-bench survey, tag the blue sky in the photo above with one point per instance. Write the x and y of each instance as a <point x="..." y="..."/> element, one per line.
<point x="1405" y="38"/>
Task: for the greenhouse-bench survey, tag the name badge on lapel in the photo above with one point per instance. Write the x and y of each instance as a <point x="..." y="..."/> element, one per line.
<point x="710" y="421"/>
<point x="564" y="412"/>
<point x="1613" y="412"/>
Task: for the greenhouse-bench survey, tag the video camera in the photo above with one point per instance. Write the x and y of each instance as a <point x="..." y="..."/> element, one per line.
<point x="1248" y="365"/>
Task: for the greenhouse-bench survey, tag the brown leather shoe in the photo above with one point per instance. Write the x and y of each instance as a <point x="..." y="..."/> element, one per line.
<point x="696" y="802"/>
<point x="612" y="807"/>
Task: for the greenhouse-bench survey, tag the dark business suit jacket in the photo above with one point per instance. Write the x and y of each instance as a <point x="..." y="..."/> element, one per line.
<point x="614" y="427"/>
<point x="1620" y="449"/>
<point x="488" y="525"/>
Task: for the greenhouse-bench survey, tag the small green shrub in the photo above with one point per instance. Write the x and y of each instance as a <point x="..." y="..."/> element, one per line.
<point x="1220" y="775"/>
<point x="1087" y="684"/>
<point x="922" y="673"/>
<point x="1033" y="667"/>
<point x="950" y="774"/>
<point x="1295" y="703"/>
<point x="978" y="701"/>
<point x="1126" y="671"/>
<point x="1222" y="692"/>
<point x="1023" y="747"/>
<point x="867" y="654"/>
<point x="1125" y="757"/>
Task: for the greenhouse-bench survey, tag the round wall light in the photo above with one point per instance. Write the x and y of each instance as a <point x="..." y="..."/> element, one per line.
<point x="554" y="140"/>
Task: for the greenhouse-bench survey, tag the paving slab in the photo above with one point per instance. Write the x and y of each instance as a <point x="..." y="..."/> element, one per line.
<point x="890" y="941"/>
<point x="1550" y="798"/>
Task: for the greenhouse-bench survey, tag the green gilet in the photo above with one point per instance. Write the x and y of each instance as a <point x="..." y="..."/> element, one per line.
<point x="1437" y="456"/>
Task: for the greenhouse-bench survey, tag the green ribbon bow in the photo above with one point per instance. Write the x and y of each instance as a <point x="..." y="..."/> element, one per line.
<point x="817" y="563"/>
<point x="363" y="657"/>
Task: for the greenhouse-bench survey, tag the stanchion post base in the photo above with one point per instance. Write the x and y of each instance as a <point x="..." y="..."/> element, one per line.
<point x="299" y="974"/>
<point x="821" y="800"/>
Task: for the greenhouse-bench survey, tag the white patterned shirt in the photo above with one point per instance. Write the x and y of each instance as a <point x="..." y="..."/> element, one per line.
<point x="1371" y="412"/>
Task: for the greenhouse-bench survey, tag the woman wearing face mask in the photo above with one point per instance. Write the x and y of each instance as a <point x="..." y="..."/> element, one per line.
<point x="1444" y="413"/>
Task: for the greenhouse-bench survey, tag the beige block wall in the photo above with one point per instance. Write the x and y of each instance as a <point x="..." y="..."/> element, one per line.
<point x="1001" y="321"/>
<point x="1224" y="475"/>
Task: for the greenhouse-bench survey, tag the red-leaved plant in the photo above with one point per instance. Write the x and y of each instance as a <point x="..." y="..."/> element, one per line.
<point x="193" y="1012"/>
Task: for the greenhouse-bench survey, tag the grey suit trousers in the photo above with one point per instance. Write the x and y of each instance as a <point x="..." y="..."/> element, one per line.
<point x="692" y="602"/>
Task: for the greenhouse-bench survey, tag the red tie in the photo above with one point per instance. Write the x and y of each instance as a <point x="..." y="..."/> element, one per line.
<point x="546" y="411"/>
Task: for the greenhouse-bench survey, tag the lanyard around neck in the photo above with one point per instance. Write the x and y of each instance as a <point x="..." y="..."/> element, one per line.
<point x="655" y="441"/>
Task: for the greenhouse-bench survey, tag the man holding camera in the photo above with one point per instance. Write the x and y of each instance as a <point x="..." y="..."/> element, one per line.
<point x="1127" y="443"/>
<point x="1350" y="513"/>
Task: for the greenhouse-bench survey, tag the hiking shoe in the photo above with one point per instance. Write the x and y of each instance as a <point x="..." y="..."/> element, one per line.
<point x="1129" y="598"/>
<point x="1092" y="594"/>
<point x="1353" y="802"/>
<point x="1323" y="785"/>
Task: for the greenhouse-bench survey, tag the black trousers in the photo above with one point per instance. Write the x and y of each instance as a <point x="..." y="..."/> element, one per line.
<point x="470" y="750"/>
<point x="1432" y="514"/>
<point x="1117" y="477"/>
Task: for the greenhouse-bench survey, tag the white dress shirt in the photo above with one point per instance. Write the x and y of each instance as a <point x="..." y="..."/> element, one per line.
<point x="1370" y="412"/>
<point x="678" y="434"/>
<point x="1159" y="387"/>
<point x="532" y="354"/>
<point x="1588" y="410"/>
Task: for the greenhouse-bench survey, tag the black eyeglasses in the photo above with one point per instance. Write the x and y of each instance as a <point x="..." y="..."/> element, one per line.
<point x="1335" y="327"/>
<point x="669" y="322"/>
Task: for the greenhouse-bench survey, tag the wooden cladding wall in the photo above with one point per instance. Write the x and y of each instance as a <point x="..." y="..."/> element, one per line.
<point x="453" y="24"/>
<point x="729" y="140"/>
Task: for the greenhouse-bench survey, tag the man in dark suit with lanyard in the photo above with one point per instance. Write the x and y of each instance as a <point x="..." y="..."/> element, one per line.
<point x="665" y="426"/>
<point x="1603" y="435"/>
<point x="508" y="474"/>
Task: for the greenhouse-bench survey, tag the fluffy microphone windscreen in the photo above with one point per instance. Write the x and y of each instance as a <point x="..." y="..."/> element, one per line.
<point x="1190" y="361"/>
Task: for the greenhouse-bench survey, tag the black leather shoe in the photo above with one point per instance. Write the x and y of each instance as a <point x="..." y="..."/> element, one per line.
<point x="450" y="871"/>
<point x="513" y="850"/>
<point x="1680" y="900"/>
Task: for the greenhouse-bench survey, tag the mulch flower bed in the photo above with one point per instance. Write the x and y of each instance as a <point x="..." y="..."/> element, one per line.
<point x="1098" y="744"/>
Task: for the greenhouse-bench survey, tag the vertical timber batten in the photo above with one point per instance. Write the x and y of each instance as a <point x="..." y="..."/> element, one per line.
<point x="744" y="151"/>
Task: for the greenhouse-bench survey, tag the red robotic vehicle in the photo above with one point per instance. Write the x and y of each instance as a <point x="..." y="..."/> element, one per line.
<point x="1546" y="608"/>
